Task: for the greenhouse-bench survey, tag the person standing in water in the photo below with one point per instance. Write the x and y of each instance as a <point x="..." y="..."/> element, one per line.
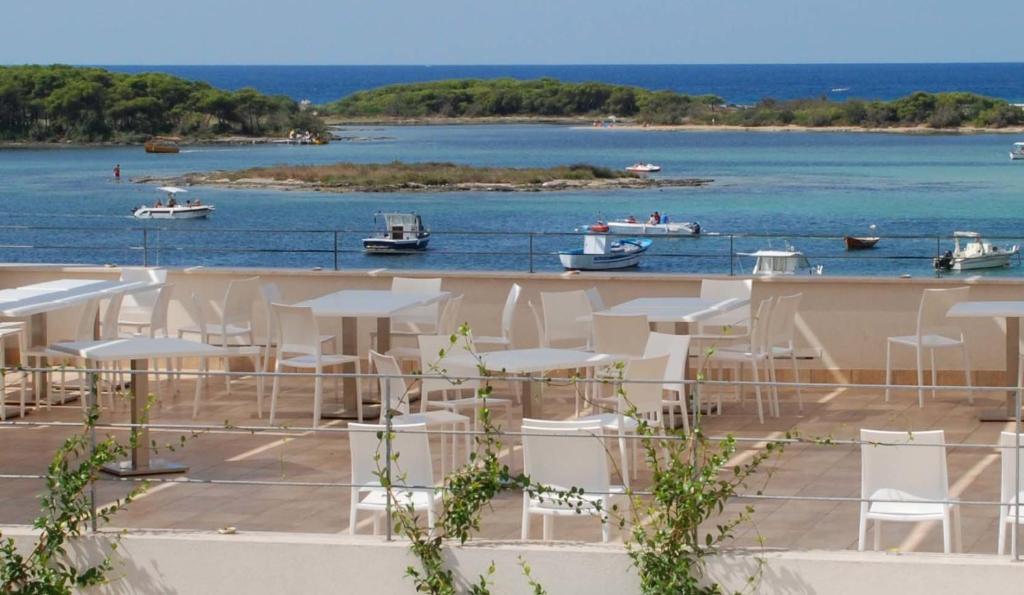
<point x="117" y="172"/>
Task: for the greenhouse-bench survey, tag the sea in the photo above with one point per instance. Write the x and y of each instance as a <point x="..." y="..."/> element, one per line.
<point x="769" y="189"/>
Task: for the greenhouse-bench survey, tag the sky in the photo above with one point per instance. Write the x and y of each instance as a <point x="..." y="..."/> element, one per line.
<point x="508" y="32"/>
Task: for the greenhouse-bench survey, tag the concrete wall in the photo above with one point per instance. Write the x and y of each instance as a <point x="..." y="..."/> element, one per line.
<point x="845" y="319"/>
<point x="257" y="563"/>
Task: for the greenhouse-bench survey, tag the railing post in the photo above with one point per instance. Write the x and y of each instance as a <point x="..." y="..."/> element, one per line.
<point x="732" y="257"/>
<point x="335" y="250"/>
<point x="93" y="379"/>
<point x="938" y="254"/>
<point x="1016" y="479"/>
<point x="531" y="251"/>
<point x="386" y="412"/>
<point x="145" y="247"/>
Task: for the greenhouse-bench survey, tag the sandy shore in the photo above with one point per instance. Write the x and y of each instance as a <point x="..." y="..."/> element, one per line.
<point x="217" y="179"/>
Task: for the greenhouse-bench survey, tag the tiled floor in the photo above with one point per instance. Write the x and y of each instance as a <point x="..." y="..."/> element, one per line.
<point x="305" y="458"/>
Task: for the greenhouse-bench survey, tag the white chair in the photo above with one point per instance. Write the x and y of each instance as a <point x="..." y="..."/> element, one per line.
<point x="595" y="299"/>
<point x="137" y="308"/>
<point x="252" y="352"/>
<point x="934" y="331"/>
<point x="399" y="396"/>
<point x="561" y="455"/>
<point x="411" y="470"/>
<point x="904" y="479"/>
<point x="557" y="320"/>
<point x="508" y="313"/>
<point x="728" y="325"/>
<point x="1009" y="497"/>
<point x="85" y="330"/>
<point x="447" y="325"/>
<point x="271" y="294"/>
<point x="18" y="331"/>
<point x="754" y="354"/>
<point x="453" y="378"/>
<point x="677" y="348"/>
<point x="781" y="340"/>
<point x="641" y="396"/>
<point x="299" y="347"/>
<point x="421" y="319"/>
<point x="236" y="316"/>
<point x="618" y="334"/>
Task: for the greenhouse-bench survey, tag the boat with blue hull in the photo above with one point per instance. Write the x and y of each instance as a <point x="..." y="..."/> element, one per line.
<point x="599" y="253"/>
<point x="403" y="233"/>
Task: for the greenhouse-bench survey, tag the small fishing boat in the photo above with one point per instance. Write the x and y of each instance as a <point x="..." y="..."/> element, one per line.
<point x="173" y="209"/>
<point x="599" y="253"/>
<point x="665" y="228"/>
<point x="1017" y="152"/>
<point x="860" y="242"/>
<point x="643" y="168"/>
<point x="403" y="232"/>
<point x="781" y="262"/>
<point x="161" y="145"/>
<point x="974" y="253"/>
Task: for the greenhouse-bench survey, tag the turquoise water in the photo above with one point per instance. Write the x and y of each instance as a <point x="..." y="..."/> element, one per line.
<point x="789" y="185"/>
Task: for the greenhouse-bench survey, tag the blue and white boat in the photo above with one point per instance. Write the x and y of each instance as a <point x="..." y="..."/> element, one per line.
<point x="403" y="233"/>
<point x="601" y="254"/>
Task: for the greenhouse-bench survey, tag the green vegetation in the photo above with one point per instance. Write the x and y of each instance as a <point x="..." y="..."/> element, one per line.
<point x="45" y="103"/>
<point x="469" y="98"/>
<point x="399" y="174"/>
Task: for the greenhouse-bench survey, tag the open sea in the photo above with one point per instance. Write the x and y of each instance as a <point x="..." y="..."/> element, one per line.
<point x="807" y="189"/>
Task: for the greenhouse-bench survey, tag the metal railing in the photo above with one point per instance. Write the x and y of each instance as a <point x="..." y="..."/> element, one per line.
<point x="696" y="388"/>
<point x="712" y="252"/>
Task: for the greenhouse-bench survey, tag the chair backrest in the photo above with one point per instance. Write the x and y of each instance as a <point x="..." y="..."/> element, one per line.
<point x="433" y="364"/>
<point x="395" y="388"/>
<point x="158" y="318"/>
<point x="1008" y="487"/>
<point x="297" y="330"/>
<point x="508" y="313"/>
<point x="935" y="303"/>
<point x="271" y="294"/>
<point x="677" y="348"/>
<point x="911" y="462"/>
<point x="644" y="396"/>
<point x="782" y="322"/>
<point x="420" y="315"/>
<point x="560" y="310"/>
<point x="85" y="330"/>
<point x="595" y="299"/>
<point x="721" y="289"/>
<point x="759" y="326"/>
<point x="109" y="329"/>
<point x="565" y="454"/>
<point x="239" y="300"/>
<point x="145" y="299"/>
<point x="621" y="334"/>
<point x="200" y="318"/>
<point x="449" y="321"/>
<point x="410" y="450"/>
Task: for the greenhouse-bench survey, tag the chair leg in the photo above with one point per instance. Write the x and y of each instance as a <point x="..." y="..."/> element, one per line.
<point x="353" y="512"/>
<point x="549" y="527"/>
<point x="275" y="388"/>
<point x="878" y="535"/>
<point x="863" y="531"/>
<point x="624" y="459"/>
<point x="920" y="376"/>
<point x="359" y="393"/>
<point x="525" y="533"/>
<point x="259" y="387"/>
<point x="199" y="393"/>
<point x="318" y="395"/>
<point x="796" y="378"/>
<point x="947" y="532"/>
<point x="967" y="373"/>
<point x="757" y="391"/>
<point x="888" y="369"/>
<point x="773" y="392"/>
<point x="1001" y="542"/>
<point x="935" y="373"/>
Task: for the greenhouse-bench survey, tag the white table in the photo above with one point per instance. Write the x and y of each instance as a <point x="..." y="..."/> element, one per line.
<point x="139" y="350"/>
<point x="35" y="301"/>
<point x="531" y="361"/>
<point x="1012" y="312"/>
<point x="351" y="304"/>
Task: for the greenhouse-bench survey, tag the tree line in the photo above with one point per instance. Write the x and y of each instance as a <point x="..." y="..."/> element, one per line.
<point x="548" y="97"/>
<point x="59" y="102"/>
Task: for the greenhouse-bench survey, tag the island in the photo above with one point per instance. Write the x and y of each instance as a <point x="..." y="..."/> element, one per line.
<point x="424" y="177"/>
<point x="602" y="105"/>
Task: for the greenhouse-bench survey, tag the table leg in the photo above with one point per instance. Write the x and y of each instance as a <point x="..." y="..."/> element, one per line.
<point x="527" y="400"/>
<point x="350" y="346"/>
<point x="141" y="464"/>
<point x="37" y="340"/>
<point x="683" y="328"/>
<point x="1008" y="413"/>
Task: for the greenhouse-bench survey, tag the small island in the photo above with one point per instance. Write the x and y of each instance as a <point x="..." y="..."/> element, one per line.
<point x="424" y="177"/>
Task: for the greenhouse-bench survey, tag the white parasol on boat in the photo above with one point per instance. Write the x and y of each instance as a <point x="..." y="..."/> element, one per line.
<point x="171" y="189"/>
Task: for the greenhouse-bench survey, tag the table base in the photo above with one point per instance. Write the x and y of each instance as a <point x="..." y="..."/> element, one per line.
<point x="156" y="467"/>
<point x="369" y="410"/>
<point x="1000" y="415"/>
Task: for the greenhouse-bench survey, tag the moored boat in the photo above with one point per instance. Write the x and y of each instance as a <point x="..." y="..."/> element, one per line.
<point x="683" y="228"/>
<point x="403" y="232"/>
<point x="161" y="145"/>
<point x="860" y="242"/>
<point x="974" y="253"/>
<point x="643" y="168"/>
<point x="1017" y="152"/>
<point x="173" y="209"/>
<point x="599" y="253"/>
<point x="781" y="262"/>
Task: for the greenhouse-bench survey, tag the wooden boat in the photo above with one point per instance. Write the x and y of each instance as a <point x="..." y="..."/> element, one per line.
<point x="161" y="145"/>
<point x="599" y="254"/>
<point x="860" y="242"/>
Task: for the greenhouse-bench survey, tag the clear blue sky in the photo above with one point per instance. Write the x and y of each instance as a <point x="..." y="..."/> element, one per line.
<point x="508" y="32"/>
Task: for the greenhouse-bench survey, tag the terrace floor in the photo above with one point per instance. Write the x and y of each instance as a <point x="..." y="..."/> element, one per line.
<point x="294" y="456"/>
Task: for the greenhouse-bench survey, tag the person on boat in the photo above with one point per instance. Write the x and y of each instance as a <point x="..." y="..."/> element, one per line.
<point x="172" y="202"/>
<point x="117" y="172"/>
<point x="188" y="203"/>
<point x="196" y="202"/>
<point x="650" y="220"/>
<point x="158" y="204"/>
<point x="657" y="217"/>
<point x="664" y="218"/>
<point x="631" y="219"/>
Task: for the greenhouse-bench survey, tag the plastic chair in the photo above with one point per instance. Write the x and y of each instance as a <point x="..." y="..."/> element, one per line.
<point x="595" y="299"/>
<point x="447" y="324"/>
<point x="934" y="331"/>
<point x="271" y="294"/>
<point x="562" y="455"/>
<point x="137" y="308"/>
<point x="252" y="352"/>
<point x="85" y="330"/>
<point x="1008" y="494"/>
<point x="18" y="331"/>
<point x="420" y="319"/>
<point x="753" y="354"/>
<point x="737" y="321"/>
<point x="904" y="479"/>
<point x="395" y="396"/>
<point x="299" y="338"/>
<point x="411" y="468"/>
<point x="616" y="334"/>
<point x="236" y="318"/>
<point x="557" y="321"/>
<point x="641" y="396"/>
<point x="781" y="341"/>
<point x="508" y="313"/>
<point x="677" y="348"/>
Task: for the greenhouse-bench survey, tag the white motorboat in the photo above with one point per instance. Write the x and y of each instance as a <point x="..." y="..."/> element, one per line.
<point x="683" y="228"/>
<point x="781" y="262"/>
<point x="403" y="232"/>
<point x="599" y="253"/>
<point x="1017" y="152"/>
<point x="173" y="209"/>
<point x="974" y="253"/>
<point x="643" y="168"/>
